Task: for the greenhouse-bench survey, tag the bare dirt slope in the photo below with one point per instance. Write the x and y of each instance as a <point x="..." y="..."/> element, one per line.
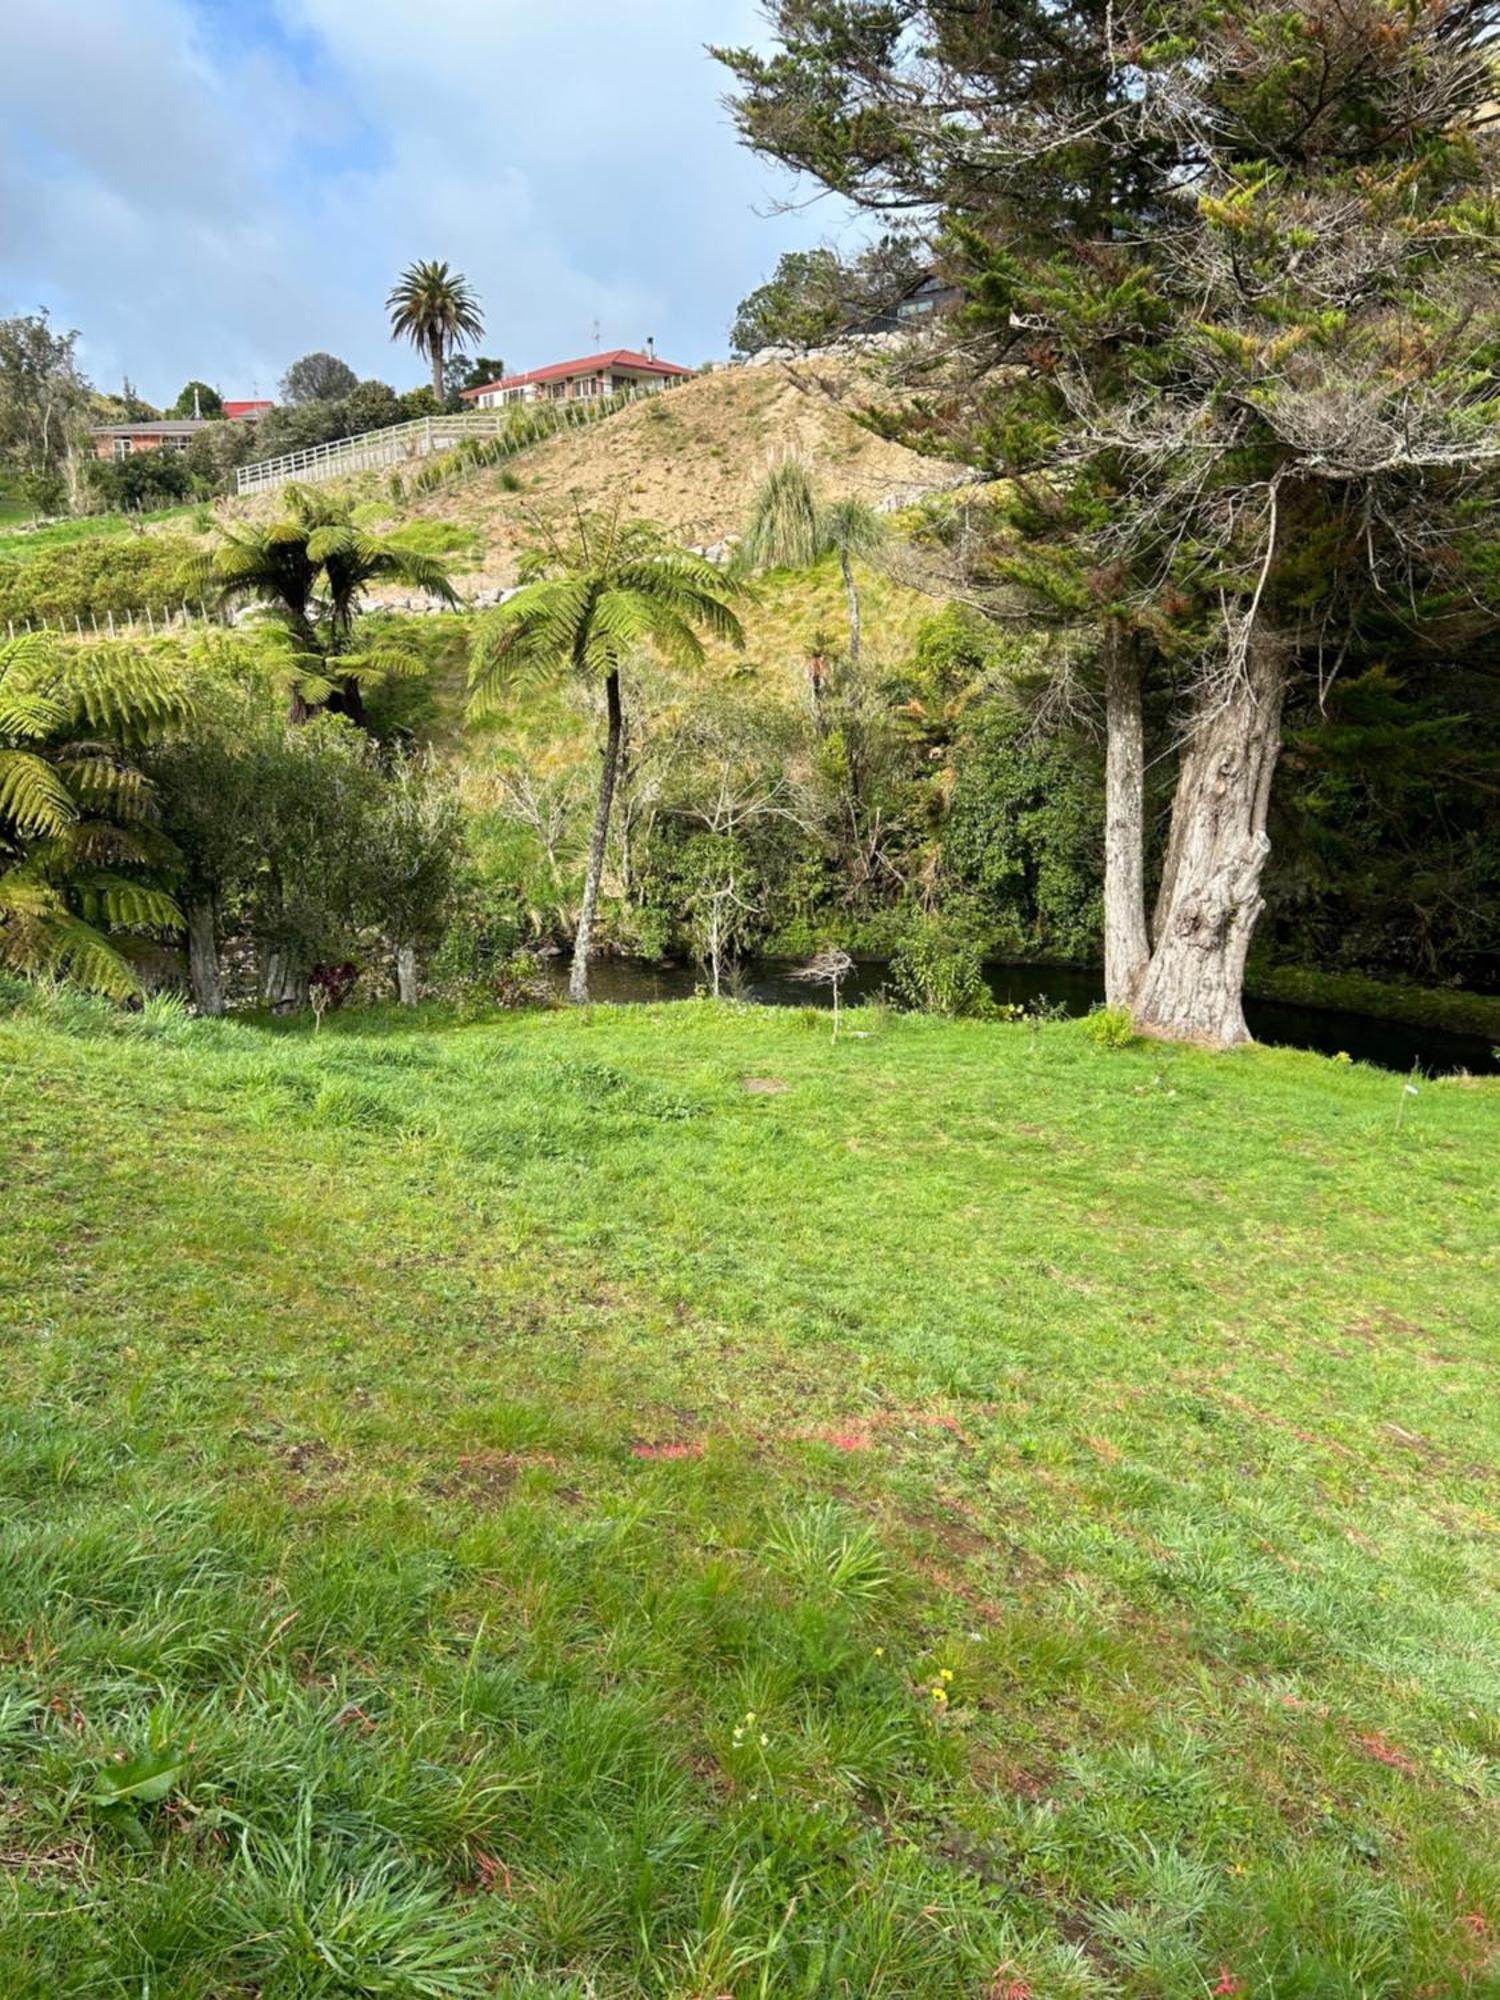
<point x="690" y="460"/>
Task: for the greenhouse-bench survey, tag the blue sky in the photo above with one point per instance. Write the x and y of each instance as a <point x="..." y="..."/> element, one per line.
<point x="213" y="187"/>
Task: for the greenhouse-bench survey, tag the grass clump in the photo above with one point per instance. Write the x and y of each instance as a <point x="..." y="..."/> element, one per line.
<point x="509" y="1510"/>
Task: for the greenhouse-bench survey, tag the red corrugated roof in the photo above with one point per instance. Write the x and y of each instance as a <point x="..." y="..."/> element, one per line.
<point x="589" y="364"/>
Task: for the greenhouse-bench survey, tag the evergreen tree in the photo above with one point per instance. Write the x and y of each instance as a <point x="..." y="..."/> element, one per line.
<point x="1234" y="298"/>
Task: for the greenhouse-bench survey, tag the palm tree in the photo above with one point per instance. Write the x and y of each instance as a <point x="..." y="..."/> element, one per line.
<point x="310" y="569"/>
<point x="590" y="603"/>
<point x="78" y="845"/>
<point x="434" y="309"/>
<point x="789" y="528"/>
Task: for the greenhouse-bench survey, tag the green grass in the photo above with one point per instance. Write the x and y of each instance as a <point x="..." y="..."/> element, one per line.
<point x="974" y="1515"/>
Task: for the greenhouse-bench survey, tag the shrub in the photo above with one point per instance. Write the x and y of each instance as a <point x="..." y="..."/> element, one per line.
<point x="1109" y="1027"/>
<point x="935" y="972"/>
<point x="90" y="579"/>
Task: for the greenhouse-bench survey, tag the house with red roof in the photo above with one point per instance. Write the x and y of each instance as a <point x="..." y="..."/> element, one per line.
<point x="568" y="381"/>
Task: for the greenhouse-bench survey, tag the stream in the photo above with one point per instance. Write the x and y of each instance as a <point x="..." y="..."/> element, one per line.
<point x="1367" y="1038"/>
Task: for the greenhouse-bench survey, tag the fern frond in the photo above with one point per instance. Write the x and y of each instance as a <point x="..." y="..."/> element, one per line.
<point x="33" y="797"/>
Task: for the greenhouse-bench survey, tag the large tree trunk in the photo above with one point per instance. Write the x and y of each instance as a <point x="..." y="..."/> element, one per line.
<point x="578" y="982"/>
<point x="437" y="368"/>
<point x="406" y="975"/>
<point x="1127" y="946"/>
<point x="203" y="956"/>
<point x="1211" y="897"/>
<point x="283" y="982"/>
<point x="851" y="591"/>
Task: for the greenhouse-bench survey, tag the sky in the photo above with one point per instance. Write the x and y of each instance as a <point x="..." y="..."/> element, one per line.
<point x="210" y="188"/>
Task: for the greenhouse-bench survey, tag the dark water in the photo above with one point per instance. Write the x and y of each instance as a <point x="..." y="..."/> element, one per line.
<point x="1365" y="1037"/>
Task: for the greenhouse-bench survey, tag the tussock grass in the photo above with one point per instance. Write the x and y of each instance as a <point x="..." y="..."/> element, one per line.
<point x="516" y="1514"/>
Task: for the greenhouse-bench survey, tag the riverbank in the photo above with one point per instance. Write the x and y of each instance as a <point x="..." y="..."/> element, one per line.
<point x="1445" y="1007"/>
<point x="648" y="1500"/>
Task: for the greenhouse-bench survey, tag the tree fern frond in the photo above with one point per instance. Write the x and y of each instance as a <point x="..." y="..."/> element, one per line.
<point x="124" y="904"/>
<point x="33" y="797"/>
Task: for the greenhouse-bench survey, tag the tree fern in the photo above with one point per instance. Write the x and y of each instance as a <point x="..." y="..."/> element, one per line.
<point x="309" y="572"/>
<point x="75" y="814"/>
<point x="588" y="604"/>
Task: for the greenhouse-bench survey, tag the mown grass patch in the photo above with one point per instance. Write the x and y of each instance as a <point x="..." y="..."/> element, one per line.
<point x="537" y="1517"/>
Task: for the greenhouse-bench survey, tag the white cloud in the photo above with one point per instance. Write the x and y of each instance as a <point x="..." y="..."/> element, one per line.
<point x="217" y="195"/>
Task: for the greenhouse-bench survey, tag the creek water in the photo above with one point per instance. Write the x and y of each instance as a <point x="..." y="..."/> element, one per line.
<point x="771" y="982"/>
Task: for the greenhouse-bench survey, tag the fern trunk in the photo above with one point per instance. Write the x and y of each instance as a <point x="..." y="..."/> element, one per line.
<point x="578" y="981"/>
<point x="203" y="956"/>
<point x="851" y="591"/>
<point x="406" y="975"/>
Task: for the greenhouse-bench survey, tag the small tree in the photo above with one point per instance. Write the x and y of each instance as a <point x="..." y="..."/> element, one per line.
<point x="317" y="378"/>
<point x="197" y="399"/>
<point x="830" y="968"/>
<point x="589" y="604"/>
<point x="480" y="370"/>
<point x="417" y="832"/>
<point x="788" y="528"/>
<point x="43" y="406"/>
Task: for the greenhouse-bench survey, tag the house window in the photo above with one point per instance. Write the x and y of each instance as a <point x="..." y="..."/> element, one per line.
<point x="122" y="447"/>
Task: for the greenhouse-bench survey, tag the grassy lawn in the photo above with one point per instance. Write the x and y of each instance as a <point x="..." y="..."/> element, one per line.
<point x="648" y="1503"/>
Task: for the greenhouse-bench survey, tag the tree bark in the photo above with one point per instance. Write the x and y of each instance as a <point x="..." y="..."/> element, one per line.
<point x="437" y="368"/>
<point x="203" y="956"/>
<point x="578" y="981"/>
<point x="283" y="982"/>
<point x="1127" y="946"/>
<point x="851" y="591"/>
<point x="1211" y="898"/>
<point x="406" y="975"/>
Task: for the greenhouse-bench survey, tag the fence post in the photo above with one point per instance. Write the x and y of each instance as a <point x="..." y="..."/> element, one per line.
<point x="111" y="617"/>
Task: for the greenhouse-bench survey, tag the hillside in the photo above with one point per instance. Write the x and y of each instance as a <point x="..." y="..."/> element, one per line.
<point x="690" y="460"/>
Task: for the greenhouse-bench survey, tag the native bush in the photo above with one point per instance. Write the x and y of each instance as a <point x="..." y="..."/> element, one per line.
<point x="1024" y="835"/>
<point x="88" y="580"/>
<point x="935" y="971"/>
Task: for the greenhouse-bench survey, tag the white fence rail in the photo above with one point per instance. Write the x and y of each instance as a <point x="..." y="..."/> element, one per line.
<point x="423" y="437"/>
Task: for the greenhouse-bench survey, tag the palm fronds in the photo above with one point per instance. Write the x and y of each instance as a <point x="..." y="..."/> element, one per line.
<point x="436" y="310"/>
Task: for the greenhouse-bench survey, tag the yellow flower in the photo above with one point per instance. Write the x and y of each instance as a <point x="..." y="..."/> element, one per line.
<point x="946" y="1674"/>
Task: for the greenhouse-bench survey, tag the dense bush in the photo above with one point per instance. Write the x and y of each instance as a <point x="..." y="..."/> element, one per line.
<point x="933" y="971"/>
<point x="140" y="482"/>
<point x="1024" y="835"/>
<point x="301" y="845"/>
<point x="369" y="406"/>
<point x="109" y="573"/>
